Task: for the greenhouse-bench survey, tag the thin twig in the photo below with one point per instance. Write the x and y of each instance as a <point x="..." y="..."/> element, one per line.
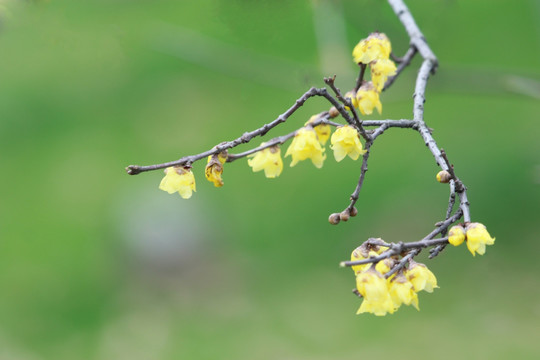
<point x="405" y="61"/>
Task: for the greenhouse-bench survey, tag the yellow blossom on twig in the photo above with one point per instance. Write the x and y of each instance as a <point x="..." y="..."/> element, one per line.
<point x="456" y="235"/>
<point x="179" y="180"/>
<point x="368" y="99"/>
<point x="214" y="168"/>
<point x="345" y="141"/>
<point x="269" y="160"/>
<point x="380" y="71"/>
<point x="306" y="146"/>
<point x="477" y="238"/>
<point x="376" y="46"/>
<point x="421" y="277"/>
<point x="323" y="130"/>
<point x="402" y="292"/>
<point x="374" y="288"/>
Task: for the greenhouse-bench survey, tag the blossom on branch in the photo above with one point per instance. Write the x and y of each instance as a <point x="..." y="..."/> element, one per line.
<point x="374" y="288"/>
<point x="269" y="160"/>
<point x="376" y="46"/>
<point x="456" y="235"/>
<point x="368" y="98"/>
<point x="421" y="277"/>
<point x="178" y="179"/>
<point x="306" y="146"/>
<point x="402" y="292"/>
<point x="477" y="238"/>
<point x="345" y="141"/>
<point x="380" y="71"/>
<point x="214" y="168"/>
<point x="322" y="130"/>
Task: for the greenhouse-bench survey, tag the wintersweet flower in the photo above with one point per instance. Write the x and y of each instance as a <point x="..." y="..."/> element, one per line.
<point x="368" y="98"/>
<point x="385" y="265"/>
<point x="305" y="145"/>
<point x="345" y="142"/>
<point x="374" y="288"/>
<point x="376" y="46"/>
<point x="360" y="253"/>
<point x="269" y="160"/>
<point x="323" y="130"/>
<point x="214" y="168"/>
<point x="380" y="71"/>
<point x="456" y="235"/>
<point x="178" y="179"/>
<point x="402" y="292"/>
<point x="477" y="238"/>
<point x="351" y="96"/>
<point x="421" y="277"/>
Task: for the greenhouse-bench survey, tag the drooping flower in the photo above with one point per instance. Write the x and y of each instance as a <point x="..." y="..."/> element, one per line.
<point x="214" y="168"/>
<point x="381" y="69"/>
<point x="323" y="130"/>
<point x="385" y="265"/>
<point x="376" y="46"/>
<point x="306" y="146"/>
<point x="477" y="238"/>
<point x="374" y="288"/>
<point x="351" y="96"/>
<point x="456" y="235"/>
<point x="421" y="277"/>
<point x="402" y="292"/>
<point x="368" y="98"/>
<point x="269" y="160"/>
<point x="360" y="253"/>
<point x="345" y="142"/>
<point x="178" y="179"/>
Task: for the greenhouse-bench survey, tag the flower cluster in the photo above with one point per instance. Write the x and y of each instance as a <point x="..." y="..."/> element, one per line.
<point x="385" y="294"/>
<point x="475" y="234"/>
<point x="373" y="51"/>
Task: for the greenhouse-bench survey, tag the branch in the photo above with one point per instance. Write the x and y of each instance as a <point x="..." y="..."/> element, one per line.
<point x="346" y="102"/>
<point x="248" y="136"/>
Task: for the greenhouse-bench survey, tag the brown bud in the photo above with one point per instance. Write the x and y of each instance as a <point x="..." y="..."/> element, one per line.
<point x="333" y="112"/>
<point x="334" y="218"/>
<point x="443" y="176"/>
<point x="344" y="215"/>
<point x="353" y="211"/>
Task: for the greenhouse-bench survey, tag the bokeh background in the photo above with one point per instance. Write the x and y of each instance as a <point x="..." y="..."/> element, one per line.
<point x="95" y="264"/>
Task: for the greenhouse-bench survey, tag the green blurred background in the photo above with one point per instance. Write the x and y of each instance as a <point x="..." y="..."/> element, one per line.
<point x="95" y="264"/>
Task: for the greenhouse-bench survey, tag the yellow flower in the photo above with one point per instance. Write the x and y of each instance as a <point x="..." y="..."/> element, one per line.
<point x="351" y="96"/>
<point x="421" y="277"/>
<point x="380" y="71"/>
<point x="456" y="235"/>
<point x="178" y="179"/>
<point x="385" y="265"/>
<point x="376" y="46"/>
<point x="368" y="98"/>
<point x="477" y="238"/>
<point x="345" y="142"/>
<point x="360" y="253"/>
<point x="269" y="160"/>
<point x="305" y="145"/>
<point x="323" y="130"/>
<point x="374" y="288"/>
<point x="402" y="292"/>
<point x="214" y="168"/>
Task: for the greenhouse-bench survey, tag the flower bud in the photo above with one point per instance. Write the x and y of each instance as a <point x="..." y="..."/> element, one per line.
<point x="444" y="177"/>
<point x="344" y="215"/>
<point x="333" y="112"/>
<point x="456" y="235"/>
<point x="334" y="218"/>
<point x="353" y="212"/>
